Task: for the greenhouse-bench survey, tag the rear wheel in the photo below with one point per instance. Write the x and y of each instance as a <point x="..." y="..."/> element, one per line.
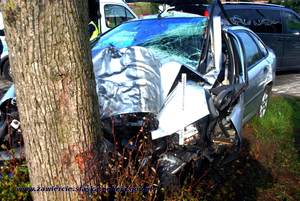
<point x="261" y="112"/>
<point x="7" y="71"/>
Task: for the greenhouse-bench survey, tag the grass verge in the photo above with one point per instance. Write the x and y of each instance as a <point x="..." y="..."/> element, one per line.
<point x="276" y="145"/>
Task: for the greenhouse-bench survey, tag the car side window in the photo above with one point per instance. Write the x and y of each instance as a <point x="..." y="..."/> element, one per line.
<point x="260" y="45"/>
<point x="266" y="21"/>
<point x="251" y="49"/>
<point x="292" y="23"/>
<point x="239" y="16"/>
<point x="115" y="14"/>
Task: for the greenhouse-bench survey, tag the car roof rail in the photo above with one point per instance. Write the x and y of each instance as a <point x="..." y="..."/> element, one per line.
<point x="252" y="3"/>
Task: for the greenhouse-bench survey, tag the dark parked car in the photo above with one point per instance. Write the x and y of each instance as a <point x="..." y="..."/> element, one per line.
<point x="189" y="92"/>
<point x="277" y="26"/>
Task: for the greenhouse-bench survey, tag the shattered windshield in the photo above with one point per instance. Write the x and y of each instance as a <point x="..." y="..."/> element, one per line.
<point x="178" y="39"/>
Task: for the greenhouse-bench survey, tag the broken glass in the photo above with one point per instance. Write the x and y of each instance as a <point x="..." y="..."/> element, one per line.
<point x="178" y="39"/>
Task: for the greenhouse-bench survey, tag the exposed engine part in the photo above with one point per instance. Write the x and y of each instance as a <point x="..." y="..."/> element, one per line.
<point x="14" y="138"/>
<point x="146" y="160"/>
<point x="13" y="101"/>
<point x="15" y="124"/>
<point x="126" y="126"/>
<point x="10" y="131"/>
<point x="221" y="142"/>
<point x="207" y="155"/>
<point x="170" y="163"/>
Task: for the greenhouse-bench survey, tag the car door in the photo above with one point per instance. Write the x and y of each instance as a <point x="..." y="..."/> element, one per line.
<point x="254" y="54"/>
<point x="291" y="58"/>
<point x="267" y="24"/>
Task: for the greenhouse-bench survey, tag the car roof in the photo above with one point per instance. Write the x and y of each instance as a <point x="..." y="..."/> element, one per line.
<point x="269" y="6"/>
<point x="247" y="5"/>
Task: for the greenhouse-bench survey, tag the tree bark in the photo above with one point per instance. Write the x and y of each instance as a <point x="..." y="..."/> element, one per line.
<point x="50" y="57"/>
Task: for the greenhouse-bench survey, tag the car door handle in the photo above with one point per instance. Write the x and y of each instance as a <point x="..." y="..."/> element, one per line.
<point x="288" y="40"/>
<point x="280" y="39"/>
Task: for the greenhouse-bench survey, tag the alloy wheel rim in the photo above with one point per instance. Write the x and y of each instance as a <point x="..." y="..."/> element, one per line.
<point x="264" y="105"/>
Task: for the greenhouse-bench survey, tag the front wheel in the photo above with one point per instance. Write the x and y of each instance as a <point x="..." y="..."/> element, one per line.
<point x="7" y="71"/>
<point x="261" y="112"/>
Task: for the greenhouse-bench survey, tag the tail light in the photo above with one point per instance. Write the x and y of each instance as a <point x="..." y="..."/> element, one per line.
<point x="206" y="14"/>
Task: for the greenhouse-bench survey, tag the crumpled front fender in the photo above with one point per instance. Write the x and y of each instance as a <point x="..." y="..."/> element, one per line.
<point x="171" y="117"/>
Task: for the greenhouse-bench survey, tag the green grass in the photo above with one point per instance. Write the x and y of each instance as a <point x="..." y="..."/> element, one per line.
<point x="281" y="123"/>
<point x="281" y="127"/>
<point x="279" y="131"/>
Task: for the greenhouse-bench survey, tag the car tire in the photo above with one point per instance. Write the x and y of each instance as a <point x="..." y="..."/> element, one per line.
<point x="262" y="109"/>
<point x="7" y="71"/>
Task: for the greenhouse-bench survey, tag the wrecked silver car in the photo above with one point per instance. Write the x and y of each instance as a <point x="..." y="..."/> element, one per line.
<point x="188" y="81"/>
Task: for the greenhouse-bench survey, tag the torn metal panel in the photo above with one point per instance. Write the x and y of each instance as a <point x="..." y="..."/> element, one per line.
<point x="215" y="60"/>
<point x="168" y="71"/>
<point x="236" y="117"/>
<point x="128" y="81"/>
<point x="170" y="163"/>
<point x="217" y="42"/>
<point x="172" y="119"/>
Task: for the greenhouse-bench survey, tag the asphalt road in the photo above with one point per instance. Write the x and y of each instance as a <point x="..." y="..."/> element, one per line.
<point x="287" y="83"/>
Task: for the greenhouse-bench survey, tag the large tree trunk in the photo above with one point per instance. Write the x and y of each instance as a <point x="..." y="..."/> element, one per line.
<point x="50" y="56"/>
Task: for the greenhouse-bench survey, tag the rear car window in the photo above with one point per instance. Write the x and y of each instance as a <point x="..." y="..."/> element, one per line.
<point x="266" y="21"/>
<point x="292" y="23"/>
<point x="259" y="20"/>
<point x="239" y="16"/>
<point x="251" y="49"/>
<point x="260" y="45"/>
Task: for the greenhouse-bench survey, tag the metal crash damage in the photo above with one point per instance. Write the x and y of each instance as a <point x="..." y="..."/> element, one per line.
<point x="173" y="88"/>
<point x="182" y="113"/>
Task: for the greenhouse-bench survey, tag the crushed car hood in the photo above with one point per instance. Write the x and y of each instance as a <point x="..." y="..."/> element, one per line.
<point x="128" y="81"/>
<point x="132" y="80"/>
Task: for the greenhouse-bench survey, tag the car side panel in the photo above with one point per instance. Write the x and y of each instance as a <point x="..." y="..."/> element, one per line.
<point x="291" y="58"/>
<point x="254" y="90"/>
<point x="257" y="74"/>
